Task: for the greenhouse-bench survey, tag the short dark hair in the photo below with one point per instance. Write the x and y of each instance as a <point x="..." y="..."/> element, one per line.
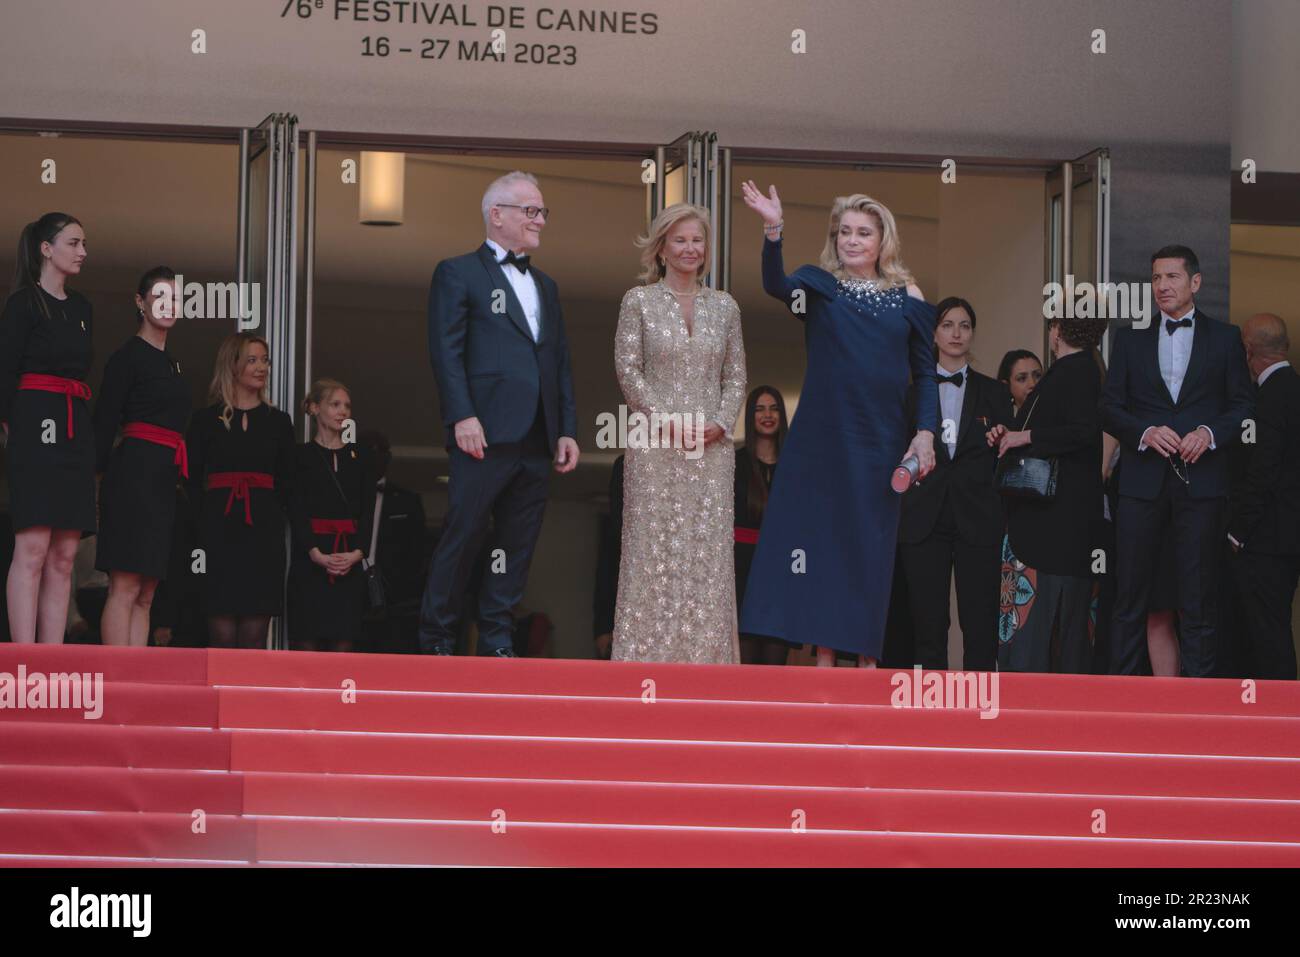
<point x="1009" y="362"/>
<point x="1081" y="333"/>
<point x="1190" y="262"/>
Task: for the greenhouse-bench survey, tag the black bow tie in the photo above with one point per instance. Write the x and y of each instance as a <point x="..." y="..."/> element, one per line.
<point x="520" y="261"/>
<point x="955" y="379"/>
<point x="1171" y="324"/>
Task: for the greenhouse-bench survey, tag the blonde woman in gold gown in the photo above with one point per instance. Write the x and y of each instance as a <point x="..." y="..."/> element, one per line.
<point x="678" y="349"/>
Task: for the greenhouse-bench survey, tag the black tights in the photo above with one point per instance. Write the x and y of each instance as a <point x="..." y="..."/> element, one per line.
<point x="762" y="651"/>
<point x="227" y="631"/>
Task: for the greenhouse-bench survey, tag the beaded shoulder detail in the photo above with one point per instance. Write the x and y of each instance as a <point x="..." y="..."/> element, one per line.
<point x="870" y="292"/>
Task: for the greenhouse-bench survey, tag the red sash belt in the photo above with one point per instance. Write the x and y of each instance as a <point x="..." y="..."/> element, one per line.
<point x="239" y="484"/>
<point x="340" y="528"/>
<point x="157" y="434"/>
<point x="746" y="536"/>
<point x="39" y="382"/>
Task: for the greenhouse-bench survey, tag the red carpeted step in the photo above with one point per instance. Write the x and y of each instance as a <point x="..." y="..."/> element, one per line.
<point x="731" y="682"/>
<point x="112" y="834"/>
<point x="602" y="802"/>
<point x="524" y="844"/>
<point x="551" y="715"/>
<point x="94" y="745"/>
<point x="164" y="705"/>
<point x="120" y="789"/>
<point x="159" y="665"/>
<point x="72" y="860"/>
<point x="735" y="763"/>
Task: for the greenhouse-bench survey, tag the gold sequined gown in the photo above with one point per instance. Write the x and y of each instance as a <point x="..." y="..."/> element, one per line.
<point x="676" y="583"/>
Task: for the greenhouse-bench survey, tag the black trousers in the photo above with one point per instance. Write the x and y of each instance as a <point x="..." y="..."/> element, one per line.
<point x="929" y="566"/>
<point x="508" y="486"/>
<point x="1197" y="529"/>
<point x="1266" y="585"/>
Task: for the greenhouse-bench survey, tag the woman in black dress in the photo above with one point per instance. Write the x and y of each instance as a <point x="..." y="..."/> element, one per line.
<point x="45" y="354"/>
<point x="765" y="428"/>
<point x="241" y="464"/>
<point x="332" y="511"/>
<point x="145" y="396"/>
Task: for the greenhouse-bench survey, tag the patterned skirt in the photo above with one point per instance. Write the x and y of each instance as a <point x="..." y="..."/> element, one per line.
<point x="1032" y="608"/>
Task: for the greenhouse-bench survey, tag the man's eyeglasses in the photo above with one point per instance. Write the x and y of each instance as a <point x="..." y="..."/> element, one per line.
<point x="530" y="211"/>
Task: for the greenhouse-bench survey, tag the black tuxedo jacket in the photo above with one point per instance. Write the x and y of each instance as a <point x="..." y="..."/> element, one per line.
<point x="486" y="362"/>
<point x="1265" y="514"/>
<point x="1216" y="392"/>
<point x="966" y="475"/>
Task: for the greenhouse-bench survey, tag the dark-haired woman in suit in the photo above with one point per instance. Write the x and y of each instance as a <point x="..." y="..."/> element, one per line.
<point x="45" y="354"/>
<point x="952" y="522"/>
<point x="765" y="428"/>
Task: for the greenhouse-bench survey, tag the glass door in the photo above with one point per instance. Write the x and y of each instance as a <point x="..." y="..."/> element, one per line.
<point x="267" y="232"/>
<point x="694" y="169"/>
<point x="1078" y="227"/>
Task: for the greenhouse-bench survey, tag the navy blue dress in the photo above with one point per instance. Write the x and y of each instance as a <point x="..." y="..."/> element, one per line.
<point x="825" y="558"/>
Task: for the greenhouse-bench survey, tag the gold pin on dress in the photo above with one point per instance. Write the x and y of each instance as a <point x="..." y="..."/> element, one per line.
<point x="676" y="584"/>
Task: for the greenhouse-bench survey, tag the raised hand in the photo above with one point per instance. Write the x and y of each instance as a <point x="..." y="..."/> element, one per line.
<point x="769" y="207"/>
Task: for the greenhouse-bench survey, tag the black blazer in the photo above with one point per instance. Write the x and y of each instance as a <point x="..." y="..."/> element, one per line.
<point x="1265" y="514"/>
<point x="1216" y="392"/>
<point x="967" y="475"/>
<point x="1057" y="537"/>
<point x="485" y="361"/>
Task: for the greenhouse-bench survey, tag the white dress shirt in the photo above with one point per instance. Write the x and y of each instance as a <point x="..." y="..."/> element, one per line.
<point x="951" y="398"/>
<point x="1271" y="369"/>
<point x="525" y="288"/>
<point x="1174" y="351"/>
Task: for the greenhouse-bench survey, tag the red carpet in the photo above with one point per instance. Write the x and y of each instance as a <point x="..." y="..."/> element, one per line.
<point x="237" y="758"/>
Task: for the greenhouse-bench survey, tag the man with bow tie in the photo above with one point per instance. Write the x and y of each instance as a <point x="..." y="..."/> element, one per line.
<point x="1176" y="396"/>
<point x="505" y="393"/>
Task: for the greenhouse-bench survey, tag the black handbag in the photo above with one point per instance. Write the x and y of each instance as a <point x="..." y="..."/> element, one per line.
<point x="1023" y="476"/>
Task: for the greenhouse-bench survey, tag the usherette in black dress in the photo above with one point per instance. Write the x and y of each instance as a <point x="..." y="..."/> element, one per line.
<point x="332" y="508"/>
<point x="145" y="396"/>
<point x="240" y="481"/>
<point x="44" y="361"/>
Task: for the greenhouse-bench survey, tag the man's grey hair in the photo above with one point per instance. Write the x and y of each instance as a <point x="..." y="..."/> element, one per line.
<point x="502" y="190"/>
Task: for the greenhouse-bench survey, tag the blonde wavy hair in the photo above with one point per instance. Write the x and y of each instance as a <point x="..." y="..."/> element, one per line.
<point x="223" y="374"/>
<point x="889" y="265"/>
<point x="652" y="246"/>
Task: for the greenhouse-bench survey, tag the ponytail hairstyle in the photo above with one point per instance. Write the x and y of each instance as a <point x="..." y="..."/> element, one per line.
<point x="30" y="259"/>
<point x="321" y="390"/>
<point x="150" y="279"/>
<point x="229" y="353"/>
<point x="755" y="487"/>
